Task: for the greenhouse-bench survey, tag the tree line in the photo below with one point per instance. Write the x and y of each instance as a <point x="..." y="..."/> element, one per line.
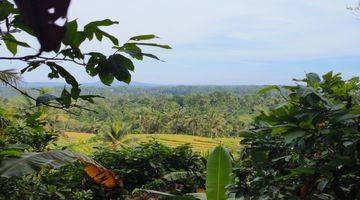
<point x="206" y="111"/>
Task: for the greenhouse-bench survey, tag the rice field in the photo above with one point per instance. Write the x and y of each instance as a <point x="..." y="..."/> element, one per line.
<point x="85" y="142"/>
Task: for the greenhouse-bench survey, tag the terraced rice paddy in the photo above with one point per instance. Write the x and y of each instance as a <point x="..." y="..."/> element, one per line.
<point x="84" y="142"/>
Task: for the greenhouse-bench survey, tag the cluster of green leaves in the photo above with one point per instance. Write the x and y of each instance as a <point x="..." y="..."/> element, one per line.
<point x="70" y="51"/>
<point x="39" y="175"/>
<point x="30" y="129"/>
<point x="152" y="166"/>
<point x="26" y="131"/>
<point x="307" y="147"/>
<point x="68" y="182"/>
<point x="218" y="178"/>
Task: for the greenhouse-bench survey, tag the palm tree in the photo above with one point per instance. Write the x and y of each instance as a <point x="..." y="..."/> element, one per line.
<point x="117" y="132"/>
<point x="9" y="76"/>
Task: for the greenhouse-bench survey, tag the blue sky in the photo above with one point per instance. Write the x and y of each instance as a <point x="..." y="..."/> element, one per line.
<point x="231" y="41"/>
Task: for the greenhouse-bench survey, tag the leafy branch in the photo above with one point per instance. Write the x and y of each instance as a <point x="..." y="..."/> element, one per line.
<point x="65" y="42"/>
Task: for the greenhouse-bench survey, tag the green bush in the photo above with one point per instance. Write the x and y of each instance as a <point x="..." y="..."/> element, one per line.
<point x="30" y="129"/>
<point x="307" y="147"/>
<point x="68" y="182"/>
<point x="145" y="166"/>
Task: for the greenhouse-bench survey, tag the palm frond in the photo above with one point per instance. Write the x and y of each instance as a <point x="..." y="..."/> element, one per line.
<point x="9" y="76"/>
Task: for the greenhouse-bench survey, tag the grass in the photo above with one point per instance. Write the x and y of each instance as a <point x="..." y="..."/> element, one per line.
<point x="85" y="143"/>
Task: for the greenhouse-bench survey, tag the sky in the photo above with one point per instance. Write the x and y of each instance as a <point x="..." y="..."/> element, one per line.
<point x="229" y="42"/>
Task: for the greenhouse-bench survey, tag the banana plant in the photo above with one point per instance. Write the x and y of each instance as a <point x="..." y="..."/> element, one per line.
<point x="32" y="162"/>
<point x="218" y="177"/>
<point x="218" y="173"/>
<point x="18" y="164"/>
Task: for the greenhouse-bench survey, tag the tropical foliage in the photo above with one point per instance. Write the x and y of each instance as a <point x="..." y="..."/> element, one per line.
<point x="206" y="111"/>
<point x="64" y="46"/>
<point x="303" y="142"/>
<point x="306" y="147"/>
<point x="303" y="148"/>
<point x="219" y="167"/>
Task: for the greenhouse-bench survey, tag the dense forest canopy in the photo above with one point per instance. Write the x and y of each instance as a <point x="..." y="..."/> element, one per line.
<point x="211" y="111"/>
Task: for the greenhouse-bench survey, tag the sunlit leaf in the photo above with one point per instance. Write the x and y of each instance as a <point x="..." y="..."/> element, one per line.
<point x="144" y="37"/>
<point x="218" y="173"/>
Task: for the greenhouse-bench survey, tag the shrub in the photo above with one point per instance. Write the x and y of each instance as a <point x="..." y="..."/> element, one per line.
<point x="31" y="129"/>
<point x="64" y="183"/>
<point x="307" y="147"/>
<point x="145" y="165"/>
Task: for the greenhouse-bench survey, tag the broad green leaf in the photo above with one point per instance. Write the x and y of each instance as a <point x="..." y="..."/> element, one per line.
<point x="68" y="53"/>
<point x="92" y="29"/>
<point x="30" y="67"/>
<point x="77" y="52"/>
<point x="118" y="64"/>
<point x="151" y="56"/>
<point x="268" y="89"/>
<point x="297" y="171"/>
<point x="32" y="162"/>
<point x="131" y="49"/>
<point x="135" y="52"/>
<point x="302" y="170"/>
<point x="313" y="79"/>
<point x="328" y="76"/>
<point x="73" y="37"/>
<point x="70" y="79"/>
<point x="6" y="8"/>
<point x="11" y="46"/>
<point x="17" y="146"/>
<point x="307" y="119"/>
<point x="154" y="45"/>
<point x="345" y="117"/>
<point x="11" y="153"/>
<point x="66" y="98"/>
<point x="95" y="59"/>
<point x="105" y="22"/>
<point x="11" y="43"/>
<point x="144" y="37"/>
<point x="75" y="92"/>
<point x="71" y="31"/>
<point x="105" y="73"/>
<point x="106" y="78"/>
<point x="290" y="136"/>
<point x="112" y="38"/>
<point x="124" y="61"/>
<point x="218" y="175"/>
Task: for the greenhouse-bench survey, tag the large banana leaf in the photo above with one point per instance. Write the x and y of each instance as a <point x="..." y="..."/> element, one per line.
<point x="218" y="175"/>
<point x="32" y="162"/>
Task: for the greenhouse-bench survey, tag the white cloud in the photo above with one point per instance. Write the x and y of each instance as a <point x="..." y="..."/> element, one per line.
<point x="271" y="28"/>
